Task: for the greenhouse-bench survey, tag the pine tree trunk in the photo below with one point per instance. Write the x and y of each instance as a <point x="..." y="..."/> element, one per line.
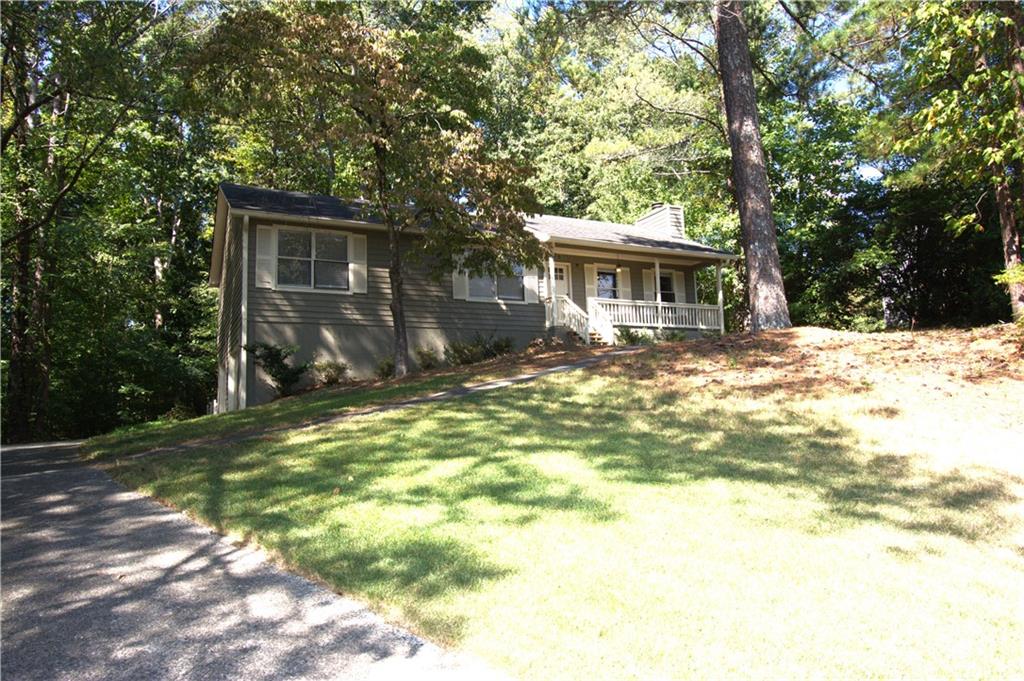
<point x="41" y="331"/>
<point x="20" y="367"/>
<point x="767" y="296"/>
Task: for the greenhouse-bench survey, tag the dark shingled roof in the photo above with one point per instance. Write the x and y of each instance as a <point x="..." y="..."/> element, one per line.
<point x="615" y="233"/>
<point x="244" y="197"/>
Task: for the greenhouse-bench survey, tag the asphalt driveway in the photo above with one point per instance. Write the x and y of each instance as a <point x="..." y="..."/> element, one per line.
<point x="102" y="583"/>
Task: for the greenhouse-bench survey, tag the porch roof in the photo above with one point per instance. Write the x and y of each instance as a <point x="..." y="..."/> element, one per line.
<point x="636" y="237"/>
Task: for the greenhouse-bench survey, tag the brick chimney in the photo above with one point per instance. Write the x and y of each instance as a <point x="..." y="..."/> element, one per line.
<point x="664" y="218"/>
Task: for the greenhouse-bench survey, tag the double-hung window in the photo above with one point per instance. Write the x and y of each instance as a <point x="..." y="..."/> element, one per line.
<point x="307" y="259"/>
<point x="502" y="287"/>
<point x="510" y="287"/>
<point x="483" y="287"/>
<point x="607" y="284"/>
<point x="668" y="294"/>
<point x="330" y="261"/>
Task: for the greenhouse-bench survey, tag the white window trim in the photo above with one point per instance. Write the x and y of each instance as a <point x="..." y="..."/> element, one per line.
<point x="497" y="301"/>
<point x="312" y="289"/>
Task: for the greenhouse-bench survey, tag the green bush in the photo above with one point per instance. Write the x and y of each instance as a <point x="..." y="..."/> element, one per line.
<point x="385" y="368"/>
<point x="1011" y="275"/>
<point x="427" y="359"/>
<point x="273" y="359"/>
<point x="179" y="412"/>
<point x="329" y="372"/>
<point x="478" y="349"/>
<point x="503" y="346"/>
<point x="628" y="336"/>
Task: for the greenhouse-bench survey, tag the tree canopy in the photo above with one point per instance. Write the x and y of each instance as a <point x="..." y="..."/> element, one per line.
<point x="892" y="134"/>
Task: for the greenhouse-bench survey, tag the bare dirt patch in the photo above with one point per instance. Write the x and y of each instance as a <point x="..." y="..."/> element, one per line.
<point x="954" y="395"/>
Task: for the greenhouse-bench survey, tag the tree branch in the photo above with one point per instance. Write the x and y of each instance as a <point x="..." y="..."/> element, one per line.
<point x="690" y="44"/>
<point x="679" y="112"/>
<point x="69" y="185"/>
<point x="20" y="116"/>
<point x="799" y="22"/>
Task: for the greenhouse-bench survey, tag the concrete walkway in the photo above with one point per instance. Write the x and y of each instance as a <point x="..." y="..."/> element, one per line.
<point x="102" y="583"/>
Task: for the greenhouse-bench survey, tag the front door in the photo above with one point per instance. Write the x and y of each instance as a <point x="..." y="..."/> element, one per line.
<point x="563" y="283"/>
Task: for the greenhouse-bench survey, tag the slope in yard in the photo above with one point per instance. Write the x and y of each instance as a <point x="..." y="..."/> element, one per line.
<point x="803" y="503"/>
<point x="317" y="405"/>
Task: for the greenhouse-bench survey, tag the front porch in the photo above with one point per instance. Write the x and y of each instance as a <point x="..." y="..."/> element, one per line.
<point x="591" y="297"/>
<point x="642" y="314"/>
<point x="597" y="324"/>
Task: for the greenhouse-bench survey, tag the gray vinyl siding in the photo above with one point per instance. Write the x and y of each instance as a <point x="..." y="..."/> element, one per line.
<point x="356" y="328"/>
<point x="229" y="326"/>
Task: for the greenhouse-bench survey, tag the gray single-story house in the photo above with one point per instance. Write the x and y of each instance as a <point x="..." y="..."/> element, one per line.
<point x="311" y="271"/>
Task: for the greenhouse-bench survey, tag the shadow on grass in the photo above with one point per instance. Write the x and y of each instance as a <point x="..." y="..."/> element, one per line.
<point x="315" y="406"/>
<point x="318" y="404"/>
<point x="363" y="504"/>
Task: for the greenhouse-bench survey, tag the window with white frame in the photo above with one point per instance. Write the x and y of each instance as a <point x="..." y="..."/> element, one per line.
<point x="500" y="287"/>
<point x="312" y="259"/>
<point x="607" y="284"/>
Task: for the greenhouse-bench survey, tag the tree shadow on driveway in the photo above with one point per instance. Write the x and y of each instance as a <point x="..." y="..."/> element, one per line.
<point x="100" y="583"/>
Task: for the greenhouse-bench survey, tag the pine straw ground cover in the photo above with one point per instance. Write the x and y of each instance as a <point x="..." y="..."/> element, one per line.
<point x="802" y="504"/>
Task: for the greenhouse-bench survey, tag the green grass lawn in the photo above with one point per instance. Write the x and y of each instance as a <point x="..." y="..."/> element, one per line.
<point x="294" y="411"/>
<point x="592" y="525"/>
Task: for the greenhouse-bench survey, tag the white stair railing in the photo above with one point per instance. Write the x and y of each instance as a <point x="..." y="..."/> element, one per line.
<point x="600" y="322"/>
<point x="571" y="316"/>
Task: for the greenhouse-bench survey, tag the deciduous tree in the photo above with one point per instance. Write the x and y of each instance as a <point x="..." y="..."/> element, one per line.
<point x="404" y="100"/>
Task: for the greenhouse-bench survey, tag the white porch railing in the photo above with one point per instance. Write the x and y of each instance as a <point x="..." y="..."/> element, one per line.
<point x="654" y="315"/>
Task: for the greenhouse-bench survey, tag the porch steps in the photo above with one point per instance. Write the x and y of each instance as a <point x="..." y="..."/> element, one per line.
<point x="595" y="338"/>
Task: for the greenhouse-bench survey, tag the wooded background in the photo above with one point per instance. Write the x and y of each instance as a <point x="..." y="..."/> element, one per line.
<point x="893" y="137"/>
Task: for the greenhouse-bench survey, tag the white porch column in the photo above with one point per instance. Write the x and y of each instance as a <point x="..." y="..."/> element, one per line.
<point x="721" y="300"/>
<point x="552" y="290"/>
<point x="657" y="287"/>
